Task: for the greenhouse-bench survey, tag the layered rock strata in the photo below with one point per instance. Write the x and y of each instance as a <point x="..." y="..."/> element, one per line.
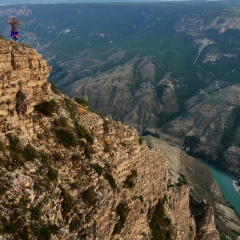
<point x="23" y="75"/>
<point x="68" y="173"/>
<point x="206" y="196"/>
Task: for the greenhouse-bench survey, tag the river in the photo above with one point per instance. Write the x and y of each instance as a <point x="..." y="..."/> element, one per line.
<point x="226" y="184"/>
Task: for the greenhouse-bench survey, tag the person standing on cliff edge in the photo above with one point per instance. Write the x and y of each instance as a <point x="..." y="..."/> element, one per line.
<point x="14" y="22"/>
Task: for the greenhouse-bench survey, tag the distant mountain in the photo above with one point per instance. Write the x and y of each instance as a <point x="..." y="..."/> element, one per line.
<point x="5" y="2"/>
<point x="170" y="69"/>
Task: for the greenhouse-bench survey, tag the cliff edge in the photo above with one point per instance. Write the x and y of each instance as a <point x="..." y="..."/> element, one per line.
<point x="69" y="173"/>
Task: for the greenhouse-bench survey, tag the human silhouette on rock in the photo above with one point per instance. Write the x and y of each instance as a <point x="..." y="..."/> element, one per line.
<point x="14" y="22"/>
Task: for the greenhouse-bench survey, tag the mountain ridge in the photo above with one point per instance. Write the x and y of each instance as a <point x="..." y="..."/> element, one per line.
<point x="193" y="54"/>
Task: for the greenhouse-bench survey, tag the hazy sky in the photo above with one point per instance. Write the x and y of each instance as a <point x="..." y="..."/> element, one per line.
<point x="69" y="1"/>
<point x="7" y="2"/>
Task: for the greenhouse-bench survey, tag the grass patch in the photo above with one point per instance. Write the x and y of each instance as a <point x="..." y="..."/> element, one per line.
<point x="159" y="223"/>
<point x="76" y="157"/>
<point x="89" y="197"/>
<point x="1" y="37"/>
<point x="42" y="185"/>
<point x="110" y="180"/>
<point x="52" y="174"/>
<point x="18" y="154"/>
<point x="122" y="211"/>
<point x="11" y="228"/>
<point x="130" y="180"/>
<point x="36" y="212"/>
<point x="14" y="143"/>
<point x="67" y="203"/>
<point x="45" y="231"/>
<point x="99" y="114"/>
<point x="1" y="146"/>
<point x="44" y="158"/>
<point x="83" y="133"/>
<point x="4" y="186"/>
<point x="182" y="180"/>
<point x="71" y="107"/>
<point x="57" y="157"/>
<point x="88" y="150"/>
<point x="75" y="224"/>
<point x="54" y="88"/>
<point x="29" y="153"/>
<point x="97" y="168"/>
<point x="81" y="101"/>
<point x="16" y="222"/>
<point x="47" y="108"/>
<point x="140" y="141"/>
<point x="60" y="122"/>
<point x="65" y="137"/>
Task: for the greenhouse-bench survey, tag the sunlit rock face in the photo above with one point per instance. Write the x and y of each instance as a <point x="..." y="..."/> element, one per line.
<point x="23" y="84"/>
<point x="68" y="173"/>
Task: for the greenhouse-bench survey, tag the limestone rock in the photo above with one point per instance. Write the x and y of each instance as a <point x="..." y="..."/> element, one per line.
<point x="71" y="174"/>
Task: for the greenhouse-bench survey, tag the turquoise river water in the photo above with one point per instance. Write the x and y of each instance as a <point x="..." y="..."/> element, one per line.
<point x="226" y="184"/>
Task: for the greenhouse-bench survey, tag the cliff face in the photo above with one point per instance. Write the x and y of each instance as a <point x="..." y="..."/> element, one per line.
<point x="68" y="173"/>
<point x="22" y="85"/>
<point x="203" y="190"/>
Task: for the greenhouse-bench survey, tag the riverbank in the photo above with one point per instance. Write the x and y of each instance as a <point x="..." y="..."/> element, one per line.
<point x="228" y="185"/>
<point x="236" y="186"/>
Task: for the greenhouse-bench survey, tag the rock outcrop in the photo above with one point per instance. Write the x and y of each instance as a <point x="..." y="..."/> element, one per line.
<point x="203" y="190"/>
<point x="22" y="85"/>
<point x="68" y="173"/>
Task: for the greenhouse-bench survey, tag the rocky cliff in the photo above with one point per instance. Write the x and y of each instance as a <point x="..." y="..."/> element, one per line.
<point x="68" y="173"/>
<point x="22" y="85"/>
<point x="202" y="186"/>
